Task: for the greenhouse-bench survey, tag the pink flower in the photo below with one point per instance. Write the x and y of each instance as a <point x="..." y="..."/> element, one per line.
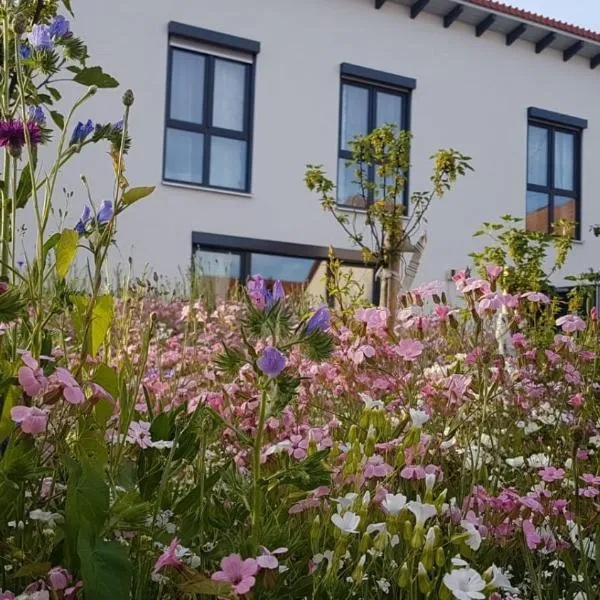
<point x="71" y="391"/>
<point x="550" y="474"/>
<point x="31" y="377"/>
<point x="7" y="596"/>
<point x="536" y="297"/>
<point x="375" y="318"/>
<point x="576" y="400"/>
<point x="442" y="311"/>
<point x="139" y="433"/>
<point x="413" y="472"/>
<point x="240" y="573"/>
<point x="571" y="323"/>
<point x="59" y="578"/>
<point x="169" y="557"/>
<point x="589" y="492"/>
<point x="362" y="352"/>
<point x="494" y="271"/>
<point x="376" y="467"/>
<point x="594" y="313"/>
<point x="409" y="349"/>
<point x="268" y="559"/>
<point x="32" y="420"/>
<point x="590" y="479"/>
<point x="531" y="537"/>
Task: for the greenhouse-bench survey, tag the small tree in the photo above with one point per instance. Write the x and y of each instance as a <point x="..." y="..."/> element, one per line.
<point x="382" y="161"/>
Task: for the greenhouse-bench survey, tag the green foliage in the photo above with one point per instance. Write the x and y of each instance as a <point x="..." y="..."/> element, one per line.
<point x="95" y="76"/>
<point x="523" y="253"/>
<point x="134" y="194"/>
<point x="66" y="250"/>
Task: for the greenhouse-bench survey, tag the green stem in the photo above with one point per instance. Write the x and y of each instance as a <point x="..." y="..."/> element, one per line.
<point x="5" y="171"/>
<point x="256" y="504"/>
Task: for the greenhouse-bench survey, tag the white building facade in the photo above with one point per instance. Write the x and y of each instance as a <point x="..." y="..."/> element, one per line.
<point x="234" y="98"/>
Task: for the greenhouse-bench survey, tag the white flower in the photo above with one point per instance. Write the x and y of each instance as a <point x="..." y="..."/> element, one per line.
<point x="347" y="523"/>
<point x="465" y="584"/>
<point x="595" y="441"/>
<point x="448" y="443"/>
<point x="418" y="417"/>
<point x="501" y="580"/>
<point x="538" y="461"/>
<point x="320" y="557"/>
<point x="45" y="517"/>
<point x="457" y="561"/>
<point x="516" y="462"/>
<point x="422" y="512"/>
<point x="429" y="481"/>
<point x="580" y="596"/>
<point x="366" y="500"/>
<point x="394" y="541"/>
<point x="378" y="527"/>
<point x="371" y="404"/>
<point x="162" y="444"/>
<point x="384" y="585"/>
<point x="394" y="503"/>
<point x="346" y="502"/>
<point x="531" y="427"/>
<point x="474" y="541"/>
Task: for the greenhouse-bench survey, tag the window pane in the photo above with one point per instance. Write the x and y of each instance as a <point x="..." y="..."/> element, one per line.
<point x="564" y="160"/>
<point x="537" y="156"/>
<point x="218" y="272"/>
<point x="228" y="163"/>
<point x="565" y="208"/>
<point x="355" y="113"/>
<point x="348" y="189"/>
<point x="389" y="110"/>
<point x="296" y="274"/>
<point x="187" y="86"/>
<point x="363" y="281"/>
<point x="229" y="95"/>
<point x="537" y="212"/>
<point x="184" y="156"/>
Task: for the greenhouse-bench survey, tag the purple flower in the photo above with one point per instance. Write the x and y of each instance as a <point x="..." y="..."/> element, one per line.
<point x="59" y="27"/>
<point x="25" y="52"/>
<point x="12" y="134"/>
<point x="118" y="126"/>
<point x="40" y="37"/>
<point x="81" y="131"/>
<point x="83" y="221"/>
<point x="36" y="113"/>
<point x="319" y="320"/>
<point x="278" y="294"/>
<point x="105" y="213"/>
<point x="272" y="362"/>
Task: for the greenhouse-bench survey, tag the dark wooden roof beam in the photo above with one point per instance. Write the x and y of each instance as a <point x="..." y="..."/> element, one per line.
<point x="417" y="7"/>
<point x="453" y="15"/>
<point x="379" y="4"/>
<point x="484" y="25"/>
<point x="595" y="61"/>
<point x="515" y="34"/>
<point x="572" y="50"/>
<point x="542" y="44"/>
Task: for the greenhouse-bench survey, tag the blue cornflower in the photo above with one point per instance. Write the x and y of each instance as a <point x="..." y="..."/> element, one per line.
<point x="40" y="37"/>
<point x="105" y="213"/>
<point x="272" y="362"/>
<point x="36" y="113"/>
<point x="25" y="52"/>
<point x="118" y="125"/>
<point x="81" y="131"/>
<point x="83" y="221"/>
<point x="59" y="27"/>
<point x="319" y="320"/>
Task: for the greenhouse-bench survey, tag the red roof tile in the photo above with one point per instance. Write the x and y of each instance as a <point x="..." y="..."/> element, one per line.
<point x="539" y="19"/>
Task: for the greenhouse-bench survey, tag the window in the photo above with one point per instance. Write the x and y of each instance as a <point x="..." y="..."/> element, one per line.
<point x="553" y="170"/>
<point x="208" y="133"/>
<point x="369" y="99"/>
<point x="223" y="262"/>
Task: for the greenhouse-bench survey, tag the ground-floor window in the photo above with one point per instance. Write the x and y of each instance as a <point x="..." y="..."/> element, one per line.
<point x="223" y="262"/>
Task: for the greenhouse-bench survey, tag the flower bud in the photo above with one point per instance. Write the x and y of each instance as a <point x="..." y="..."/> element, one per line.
<point x="352" y="434"/>
<point x="92" y="90"/>
<point x="128" y="98"/>
<point x="408" y="530"/>
<point x="20" y="24"/>
<point x="404" y="577"/>
<point x="315" y="534"/>
<point x="358" y="571"/>
<point x="423" y="580"/>
<point x="365" y="543"/>
<point x="440" y="557"/>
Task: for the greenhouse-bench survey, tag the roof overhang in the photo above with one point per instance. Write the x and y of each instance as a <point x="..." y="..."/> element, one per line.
<point x="483" y="19"/>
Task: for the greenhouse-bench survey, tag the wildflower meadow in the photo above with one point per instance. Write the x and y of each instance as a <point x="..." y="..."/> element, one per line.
<point x="271" y="446"/>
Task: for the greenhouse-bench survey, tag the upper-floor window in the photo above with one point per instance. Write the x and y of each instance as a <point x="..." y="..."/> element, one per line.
<point x="553" y="170"/>
<point x="369" y="99"/>
<point x="208" y="133"/>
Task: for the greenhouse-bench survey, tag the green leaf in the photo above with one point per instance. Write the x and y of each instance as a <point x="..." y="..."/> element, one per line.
<point x="24" y="187"/>
<point x="58" y="119"/>
<point x="200" y="584"/>
<point x="107" y="378"/>
<point x="11" y="398"/>
<point x="56" y="95"/>
<point x="66" y="249"/>
<point x="50" y="243"/>
<point x="95" y="76"/>
<point x="12" y="305"/>
<point x="33" y="571"/>
<point x="67" y="5"/>
<point x="134" y="194"/>
<point x="106" y="570"/>
<point x="102" y="316"/>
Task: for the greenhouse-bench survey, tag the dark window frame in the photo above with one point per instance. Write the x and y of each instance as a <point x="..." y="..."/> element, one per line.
<point x="558" y="123"/>
<point x="245" y="247"/>
<point x="373" y="81"/>
<point x="206" y="128"/>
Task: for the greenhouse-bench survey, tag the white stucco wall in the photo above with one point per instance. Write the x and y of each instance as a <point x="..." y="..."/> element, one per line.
<point x="472" y="94"/>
